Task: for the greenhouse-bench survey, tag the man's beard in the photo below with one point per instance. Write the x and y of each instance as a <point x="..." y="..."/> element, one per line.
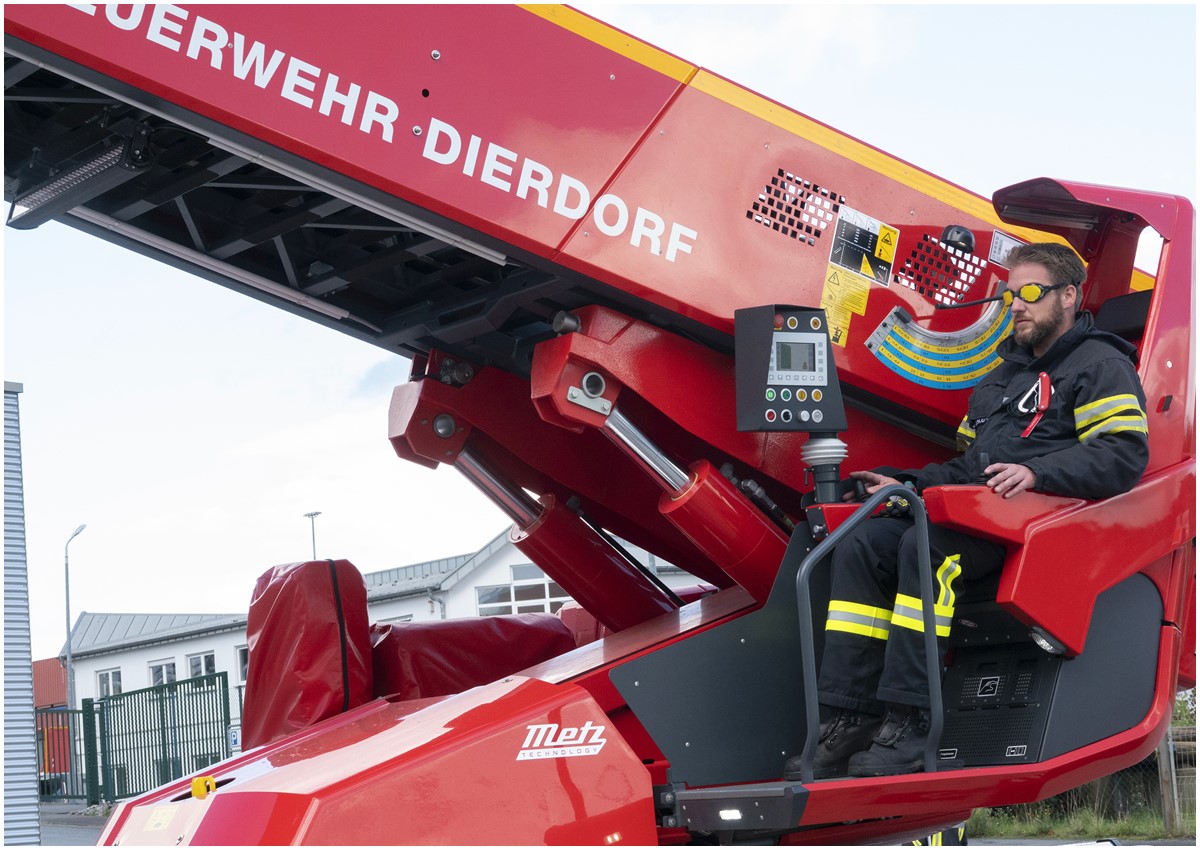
<point x="1034" y="333"/>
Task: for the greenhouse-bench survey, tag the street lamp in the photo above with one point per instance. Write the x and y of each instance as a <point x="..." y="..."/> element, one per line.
<point x="312" y="517"/>
<point x="67" y="588"/>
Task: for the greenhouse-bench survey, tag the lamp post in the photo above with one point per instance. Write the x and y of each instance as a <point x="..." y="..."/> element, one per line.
<point x="312" y="517"/>
<point x="67" y="589"/>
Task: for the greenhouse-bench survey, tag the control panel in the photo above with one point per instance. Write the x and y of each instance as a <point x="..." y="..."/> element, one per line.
<point x="786" y="379"/>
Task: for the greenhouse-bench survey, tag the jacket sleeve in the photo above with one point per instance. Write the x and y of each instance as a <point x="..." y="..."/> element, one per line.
<point x="957" y="470"/>
<point x="964" y="468"/>
<point x="1112" y="447"/>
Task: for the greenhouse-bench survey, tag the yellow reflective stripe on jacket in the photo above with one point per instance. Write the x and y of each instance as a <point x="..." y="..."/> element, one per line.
<point x="1110" y="415"/>
<point x="907" y="615"/>
<point x="965" y="435"/>
<point x="858" y="619"/>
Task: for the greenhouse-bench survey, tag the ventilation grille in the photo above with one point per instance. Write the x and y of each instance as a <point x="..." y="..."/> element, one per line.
<point x="1002" y="736"/>
<point x="795" y="207"/>
<point x="943" y="274"/>
<point x="997" y="702"/>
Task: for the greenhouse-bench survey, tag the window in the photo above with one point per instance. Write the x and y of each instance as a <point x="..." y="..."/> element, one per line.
<point x="204" y="664"/>
<point x="108" y="683"/>
<point x="243" y="662"/>
<point x="494" y="599"/>
<point x="162" y="672"/>
<point x="531" y="592"/>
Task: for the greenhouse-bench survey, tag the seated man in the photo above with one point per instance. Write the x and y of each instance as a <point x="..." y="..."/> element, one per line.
<point x="1088" y="440"/>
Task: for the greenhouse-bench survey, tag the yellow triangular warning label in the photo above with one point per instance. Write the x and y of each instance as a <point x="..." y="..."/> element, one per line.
<point x="832" y="278"/>
<point x="886" y="237"/>
<point x="866" y="268"/>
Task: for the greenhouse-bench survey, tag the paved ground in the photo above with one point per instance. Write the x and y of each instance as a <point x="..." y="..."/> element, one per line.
<point x="61" y="826"/>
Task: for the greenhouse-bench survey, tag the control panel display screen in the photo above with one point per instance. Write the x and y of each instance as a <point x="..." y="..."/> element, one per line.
<point x="797" y="358"/>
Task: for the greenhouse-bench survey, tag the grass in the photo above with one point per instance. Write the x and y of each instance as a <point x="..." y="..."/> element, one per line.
<point x="1034" y="821"/>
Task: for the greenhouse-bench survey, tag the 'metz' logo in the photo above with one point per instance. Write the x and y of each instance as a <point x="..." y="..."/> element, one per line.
<point x="550" y="741"/>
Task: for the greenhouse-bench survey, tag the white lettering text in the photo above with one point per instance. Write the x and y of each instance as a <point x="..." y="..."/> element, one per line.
<point x="160" y="22"/>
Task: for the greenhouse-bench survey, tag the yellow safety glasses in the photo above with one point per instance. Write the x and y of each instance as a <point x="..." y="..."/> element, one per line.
<point x="1030" y="293"/>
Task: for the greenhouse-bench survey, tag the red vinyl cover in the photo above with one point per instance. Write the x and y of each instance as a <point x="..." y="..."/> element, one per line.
<point x="442" y="657"/>
<point x="310" y="648"/>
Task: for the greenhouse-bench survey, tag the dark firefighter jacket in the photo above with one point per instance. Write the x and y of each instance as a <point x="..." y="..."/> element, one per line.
<point x="1090" y="443"/>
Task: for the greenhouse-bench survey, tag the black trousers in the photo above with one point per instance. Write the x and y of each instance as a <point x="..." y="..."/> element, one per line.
<point x="874" y="635"/>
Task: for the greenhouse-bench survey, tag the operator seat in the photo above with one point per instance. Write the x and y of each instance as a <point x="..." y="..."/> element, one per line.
<point x="1125" y="315"/>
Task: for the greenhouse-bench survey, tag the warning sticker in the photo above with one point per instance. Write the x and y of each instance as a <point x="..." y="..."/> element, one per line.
<point x="844" y="291"/>
<point x="864" y="245"/>
<point x="160" y="818"/>
<point x="839" y="325"/>
<point x="1002" y="244"/>
<point x="843" y="296"/>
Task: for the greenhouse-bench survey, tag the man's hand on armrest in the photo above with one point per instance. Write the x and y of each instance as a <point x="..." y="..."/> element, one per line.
<point x="1009" y="479"/>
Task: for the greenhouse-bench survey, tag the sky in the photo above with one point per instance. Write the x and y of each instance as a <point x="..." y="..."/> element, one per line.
<point x="191" y="428"/>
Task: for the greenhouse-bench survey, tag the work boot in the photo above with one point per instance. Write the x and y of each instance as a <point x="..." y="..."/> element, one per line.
<point x="843" y="735"/>
<point x="899" y="747"/>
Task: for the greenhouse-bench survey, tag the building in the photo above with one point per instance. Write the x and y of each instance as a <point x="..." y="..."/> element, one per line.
<point x="20" y="737"/>
<point x="49" y="684"/>
<point x="117" y="653"/>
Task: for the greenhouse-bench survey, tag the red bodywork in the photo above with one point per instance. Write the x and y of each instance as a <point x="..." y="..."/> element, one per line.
<point x="601" y="157"/>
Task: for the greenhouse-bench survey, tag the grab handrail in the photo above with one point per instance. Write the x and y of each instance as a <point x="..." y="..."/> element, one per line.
<point x="808" y="652"/>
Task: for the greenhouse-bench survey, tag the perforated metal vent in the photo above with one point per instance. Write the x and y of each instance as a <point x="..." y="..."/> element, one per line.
<point x="795" y="207"/>
<point x="941" y="273"/>
<point x="997" y="701"/>
<point x="1002" y="736"/>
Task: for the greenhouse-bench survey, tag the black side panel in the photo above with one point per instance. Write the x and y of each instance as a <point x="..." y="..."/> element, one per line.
<point x="1109" y="687"/>
<point x="727" y="705"/>
<point x="1008" y="702"/>
<point x="997" y="700"/>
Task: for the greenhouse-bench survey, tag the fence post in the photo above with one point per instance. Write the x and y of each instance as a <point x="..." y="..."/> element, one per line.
<point x="223" y="684"/>
<point x="1166" y="771"/>
<point x="91" y="764"/>
<point x="106" y="752"/>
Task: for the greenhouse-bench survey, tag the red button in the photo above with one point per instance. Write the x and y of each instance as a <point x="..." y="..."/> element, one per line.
<point x="770" y="415"/>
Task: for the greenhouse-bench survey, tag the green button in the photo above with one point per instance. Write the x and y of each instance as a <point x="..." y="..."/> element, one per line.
<point x="770" y="395"/>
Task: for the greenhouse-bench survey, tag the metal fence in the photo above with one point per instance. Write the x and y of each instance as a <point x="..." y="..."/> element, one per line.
<point x="1181" y="776"/>
<point x="127" y="744"/>
<point x="1159" y="789"/>
<point x="60" y="754"/>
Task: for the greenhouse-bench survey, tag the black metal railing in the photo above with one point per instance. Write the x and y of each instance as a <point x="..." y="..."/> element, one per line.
<point x="808" y="653"/>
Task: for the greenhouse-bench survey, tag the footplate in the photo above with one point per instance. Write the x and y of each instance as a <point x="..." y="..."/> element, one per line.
<point x="767" y="805"/>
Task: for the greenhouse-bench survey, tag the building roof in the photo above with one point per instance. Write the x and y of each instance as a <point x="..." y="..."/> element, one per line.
<point x="415" y="578"/>
<point x="441" y="574"/>
<point x="95" y="633"/>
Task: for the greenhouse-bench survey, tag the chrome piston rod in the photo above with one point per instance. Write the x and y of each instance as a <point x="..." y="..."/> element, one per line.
<point x="514" y="501"/>
<point x="637" y="444"/>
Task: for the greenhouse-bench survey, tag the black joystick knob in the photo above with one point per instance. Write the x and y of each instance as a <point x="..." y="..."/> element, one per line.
<point x="984" y="463"/>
